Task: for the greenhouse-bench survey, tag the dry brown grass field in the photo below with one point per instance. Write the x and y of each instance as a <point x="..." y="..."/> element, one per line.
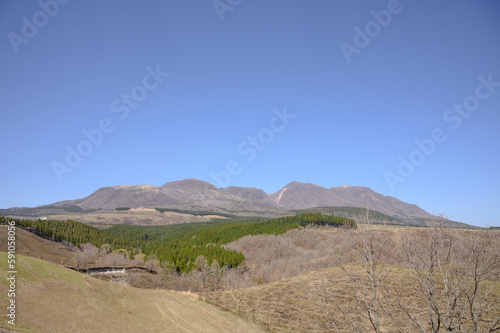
<point x="51" y="298"/>
<point x="348" y="276"/>
<point x="294" y="304"/>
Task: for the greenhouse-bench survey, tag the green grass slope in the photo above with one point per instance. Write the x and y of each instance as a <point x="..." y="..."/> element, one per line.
<point x="51" y="298"/>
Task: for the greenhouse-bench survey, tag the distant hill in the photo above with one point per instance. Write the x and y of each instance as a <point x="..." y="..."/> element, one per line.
<point x="192" y="194"/>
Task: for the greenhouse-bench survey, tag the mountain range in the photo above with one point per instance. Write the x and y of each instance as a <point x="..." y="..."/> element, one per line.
<point x="193" y="194"/>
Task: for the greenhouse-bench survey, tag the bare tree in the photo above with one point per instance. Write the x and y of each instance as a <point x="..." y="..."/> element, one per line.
<point x="152" y="263"/>
<point x="484" y="277"/>
<point x="203" y="270"/>
<point x="215" y="275"/>
<point x="368" y="283"/>
<point x="455" y="273"/>
<point x="86" y="257"/>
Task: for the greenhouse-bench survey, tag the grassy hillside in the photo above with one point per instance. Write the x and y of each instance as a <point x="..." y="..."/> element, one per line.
<point x="298" y="304"/>
<point x="400" y="272"/>
<point x="289" y="304"/>
<point x="31" y="245"/>
<point x="54" y="299"/>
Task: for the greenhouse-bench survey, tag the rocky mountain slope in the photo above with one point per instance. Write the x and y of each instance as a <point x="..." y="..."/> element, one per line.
<point x="300" y="195"/>
<point x="195" y="194"/>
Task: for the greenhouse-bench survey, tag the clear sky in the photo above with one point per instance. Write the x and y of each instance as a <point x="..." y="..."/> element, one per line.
<point x="402" y="97"/>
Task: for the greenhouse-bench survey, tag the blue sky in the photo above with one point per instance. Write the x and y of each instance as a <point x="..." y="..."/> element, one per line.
<point x="253" y="93"/>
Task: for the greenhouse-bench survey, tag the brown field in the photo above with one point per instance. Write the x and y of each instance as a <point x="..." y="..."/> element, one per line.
<point x="294" y="304"/>
<point x="321" y="279"/>
<point x="50" y="298"/>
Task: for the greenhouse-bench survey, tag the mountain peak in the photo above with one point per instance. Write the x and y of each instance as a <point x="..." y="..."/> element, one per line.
<point x="295" y="184"/>
<point x="186" y="184"/>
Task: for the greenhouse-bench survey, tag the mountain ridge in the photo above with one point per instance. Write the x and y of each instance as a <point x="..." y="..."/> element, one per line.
<point x="194" y="194"/>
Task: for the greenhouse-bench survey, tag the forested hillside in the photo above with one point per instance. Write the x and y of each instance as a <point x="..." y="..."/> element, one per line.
<point x="178" y="245"/>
